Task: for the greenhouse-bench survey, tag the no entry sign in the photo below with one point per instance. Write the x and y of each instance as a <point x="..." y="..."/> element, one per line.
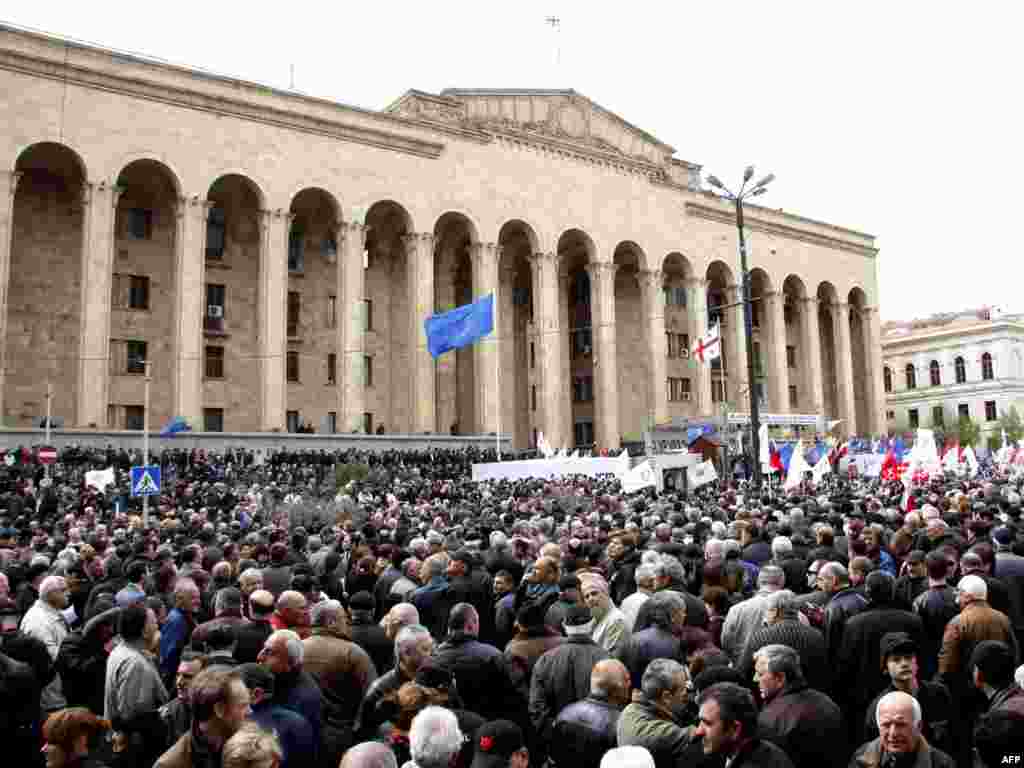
<point x="47" y="454"/>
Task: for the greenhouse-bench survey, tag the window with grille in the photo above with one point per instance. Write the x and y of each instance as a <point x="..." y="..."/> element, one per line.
<point x="717" y="391"/>
<point x="938" y="417"/>
<point x="294" y="310"/>
<point x="368" y="423"/>
<point x="215" y="363"/>
<point x="986" y="367"/>
<point x="961" y="371"/>
<point x="678" y="389"/>
<point x="296" y="246"/>
<point x="332" y="422"/>
<point x="791" y="357"/>
<point x="368" y="370"/>
<point x="887" y="378"/>
<point x="216" y="234"/>
<point x="134" y="417"/>
<point x="130" y="291"/>
<point x="912" y="418"/>
<point x="793" y="396"/>
<point x="213" y="419"/>
<point x="583" y="389"/>
<point x="581" y="288"/>
<point x="683" y="344"/>
<point x="135" y="357"/>
<point x="292" y="365"/>
<point x="292" y="421"/>
<point x="963" y="411"/>
<point x="583" y="431"/>
<point x="581" y="343"/>
<point x="990" y="410"/>
<point x="215" y="308"/>
<point x="934" y="373"/>
<point x="911" y="376"/>
<point x="140" y="223"/>
<point x="332" y="368"/>
<point x="670" y="339"/>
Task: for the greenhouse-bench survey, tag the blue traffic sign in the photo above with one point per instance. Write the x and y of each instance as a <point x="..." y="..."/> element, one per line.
<point x="146" y="481"/>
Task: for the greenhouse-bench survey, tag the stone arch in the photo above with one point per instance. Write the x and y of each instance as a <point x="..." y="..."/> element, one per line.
<point x="41" y="328"/>
<point x="576" y="254"/>
<point x="153" y="159"/>
<point x="628" y="252"/>
<point x="255" y="184"/>
<point x="676" y="263"/>
<point x="521" y="352"/>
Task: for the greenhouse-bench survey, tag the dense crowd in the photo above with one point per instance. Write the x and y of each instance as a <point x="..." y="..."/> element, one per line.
<point x="270" y="611"/>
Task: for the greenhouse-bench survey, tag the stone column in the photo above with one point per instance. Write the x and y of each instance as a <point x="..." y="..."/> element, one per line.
<point x="100" y="200"/>
<point x="419" y="259"/>
<point x="811" y="363"/>
<point x="702" y="371"/>
<point x="486" y="257"/>
<point x="564" y="383"/>
<point x="273" y="343"/>
<point x="777" y="368"/>
<point x="653" y="302"/>
<point x="190" y="309"/>
<point x="606" y="368"/>
<point x="352" y="326"/>
<point x="846" y="405"/>
<point x="871" y="323"/>
<point x="549" y="330"/>
<point x="737" y="370"/>
<point x="8" y="188"/>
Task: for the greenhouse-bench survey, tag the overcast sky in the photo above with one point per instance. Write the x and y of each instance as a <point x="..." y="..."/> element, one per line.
<point x="899" y="119"/>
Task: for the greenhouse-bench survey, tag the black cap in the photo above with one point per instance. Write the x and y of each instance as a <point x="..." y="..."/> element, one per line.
<point x="995" y="661"/>
<point x="897" y="642"/>
<point x="577" y="616"/>
<point x="362" y="601"/>
<point x="496" y="742"/>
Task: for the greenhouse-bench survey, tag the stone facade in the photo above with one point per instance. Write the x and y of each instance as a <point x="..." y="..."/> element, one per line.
<point x="938" y="369"/>
<point x="273" y="257"/>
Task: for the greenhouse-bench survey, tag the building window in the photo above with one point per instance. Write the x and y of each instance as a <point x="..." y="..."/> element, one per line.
<point x="583" y="431"/>
<point x="332" y="368"/>
<point x="934" y="373"/>
<point x="792" y="396"/>
<point x="912" y="418"/>
<point x="755" y="312"/>
<point x="675" y="295"/>
<point x="329" y="249"/>
<point x="961" y="371"/>
<point x="887" y="378"/>
<point x="533" y="355"/>
<point x="533" y="397"/>
<point x="130" y="292"/>
<point x="963" y="411"/>
<point x="135" y="361"/>
<point x="581" y="288"/>
<point x="215" y="301"/>
<point x="678" y="389"/>
<point x="368" y="370"/>
<point x="367" y="314"/>
<point x="134" y="417"/>
<point x="140" y="223"/>
<point x="911" y="376"/>
<point x="213" y="419"/>
<point x="788" y="312"/>
<point x="986" y="367"/>
<point x="294" y="310"/>
<point x="990" y="410"/>
<point x="717" y="391"/>
<point x="670" y="339"/>
<point x="791" y="357"/>
<point x="890" y="415"/>
<point x="296" y="245"/>
<point x="214" y="366"/>
<point x="581" y="342"/>
<point x="332" y="422"/>
<point x="938" y="417"/>
<point x="216" y="234"/>
<point x="368" y="423"/>
<point x="292" y="366"/>
<point x="582" y="389"/>
<point x="292" y="421"/>
<point x="332" y="311"/>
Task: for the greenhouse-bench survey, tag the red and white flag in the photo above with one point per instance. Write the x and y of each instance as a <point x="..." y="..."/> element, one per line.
<point x="709" y="346"/>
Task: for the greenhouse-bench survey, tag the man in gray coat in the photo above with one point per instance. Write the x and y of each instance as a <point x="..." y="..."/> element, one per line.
<point x="133" y="684"/>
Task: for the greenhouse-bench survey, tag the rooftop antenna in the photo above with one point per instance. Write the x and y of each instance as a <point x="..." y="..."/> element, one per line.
<point x="291" y="67"/>
<point x="556" y="25"/>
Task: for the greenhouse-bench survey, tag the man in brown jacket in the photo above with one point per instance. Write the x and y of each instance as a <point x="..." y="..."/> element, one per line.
<point x="220" y="706"/>
<point x="344" y="672"/>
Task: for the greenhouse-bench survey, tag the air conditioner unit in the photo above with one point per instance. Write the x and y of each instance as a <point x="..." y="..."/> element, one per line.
<point x="215" y="311"/>
<point x="686" y="397"/>
<point x="685" y="354"/>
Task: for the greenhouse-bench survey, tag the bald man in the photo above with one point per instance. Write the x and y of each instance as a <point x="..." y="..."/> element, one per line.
<point x="369" y="754"/>
<point x="976" y="621"/>
<point x="249" y="638"/>
<point x="900" y="742"/>
<point x="291" y="613"/>
<point x="584" y="731"/>
<point x="476" y="666"/>
<point x="45" y="622"/>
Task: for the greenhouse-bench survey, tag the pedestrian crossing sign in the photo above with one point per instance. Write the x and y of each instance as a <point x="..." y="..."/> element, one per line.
<point x="146" y="481"/>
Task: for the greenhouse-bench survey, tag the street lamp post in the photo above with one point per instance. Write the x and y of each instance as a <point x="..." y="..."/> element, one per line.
<point x="748" y="326"/>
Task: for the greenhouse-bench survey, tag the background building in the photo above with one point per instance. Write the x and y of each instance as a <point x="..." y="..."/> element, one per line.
<point x="957" y="364"/>
<point x="273" y="256"/>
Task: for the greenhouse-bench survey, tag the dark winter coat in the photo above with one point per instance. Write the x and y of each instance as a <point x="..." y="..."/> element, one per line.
<point x="870" y="755"/>
<point x="561" y="677"/>
<point x="843" y="605"/>
<point x="643" y="647"/>
<point x="623" y="581"/>
<point x="936" y="607"/>
<point x="479" y="673"/>
<point x="859" y="663"/>
<point x="583" y="732"/>
<point x="759" y="753"/>
<point x="808" y="642"/>
<point x="372" y="638"/>
<point x="936" y="711"/>
<point x="807" y="725"/>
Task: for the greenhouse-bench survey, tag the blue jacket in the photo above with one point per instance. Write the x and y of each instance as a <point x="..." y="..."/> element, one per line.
<point x="174" y="636"/>
<point x="298" y="692"/>
<point x="294" y="731"/>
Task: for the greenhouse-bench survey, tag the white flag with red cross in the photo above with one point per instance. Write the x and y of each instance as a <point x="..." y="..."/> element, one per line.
<point x="709" y="346"/>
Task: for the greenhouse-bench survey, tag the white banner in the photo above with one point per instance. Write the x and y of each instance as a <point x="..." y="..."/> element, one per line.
<point x="701" y="474"/>
<point x="640" y="476"/>
<point x="553" y="467"/>
<point x="869" y="464"/>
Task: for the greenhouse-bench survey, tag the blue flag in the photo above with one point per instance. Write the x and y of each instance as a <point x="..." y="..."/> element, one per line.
<point x="174" y="426"/>
<point x="459" y="327"/>
<point x="785" y="454"/>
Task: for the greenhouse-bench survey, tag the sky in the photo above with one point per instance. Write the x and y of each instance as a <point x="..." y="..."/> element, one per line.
<point x="903" y="120"/>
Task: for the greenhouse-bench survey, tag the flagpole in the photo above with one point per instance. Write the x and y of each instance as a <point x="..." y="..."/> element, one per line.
<point x="145" y="446"/>
<point x="497" y="372"/>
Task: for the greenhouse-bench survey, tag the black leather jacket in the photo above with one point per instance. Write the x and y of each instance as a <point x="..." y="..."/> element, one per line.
<point x="844" y="604"/>
<point x="583" y="732"/>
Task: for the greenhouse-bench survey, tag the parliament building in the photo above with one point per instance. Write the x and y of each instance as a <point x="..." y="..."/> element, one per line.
<point x="270" y="257"/>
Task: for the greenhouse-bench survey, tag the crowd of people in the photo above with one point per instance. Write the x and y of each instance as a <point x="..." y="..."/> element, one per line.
<point x="265" y="614"/>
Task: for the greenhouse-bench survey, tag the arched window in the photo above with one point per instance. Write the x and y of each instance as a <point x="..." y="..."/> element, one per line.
<point x="911" y="376"/>
<point x="986" y="367"/>
<point x="934" y="374"/>
<point x="887" y="378"/>
<point x="961" y="371"/>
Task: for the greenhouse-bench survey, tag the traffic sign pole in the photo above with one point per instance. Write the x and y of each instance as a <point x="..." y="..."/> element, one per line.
<point x="49" y="410"/>
<point x="145" y="444"/>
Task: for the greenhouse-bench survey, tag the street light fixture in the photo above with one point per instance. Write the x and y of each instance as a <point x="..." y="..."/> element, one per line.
<point x="737" y="199"/>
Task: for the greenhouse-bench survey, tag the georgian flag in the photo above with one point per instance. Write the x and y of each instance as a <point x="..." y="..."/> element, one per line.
<point x="709" y="346"/>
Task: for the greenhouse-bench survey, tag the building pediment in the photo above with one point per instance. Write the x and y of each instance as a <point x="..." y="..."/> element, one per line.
<point x="560" y="115"/>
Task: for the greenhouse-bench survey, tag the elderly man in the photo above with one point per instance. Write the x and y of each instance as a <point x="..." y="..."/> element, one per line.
<point x="540" y="586"/>
<point x="133" y="684"/>
<point x="45" y="622"/>
<point x="745" y="617"/>
<point x="294" y="688"/>
<point x="898" y="715"/>
<point x="401" y="615"/>
<point x="369" y="754"/>
<point x="805" y="723"/>
<point x="292" y="729"/>
<point x="976" y="622"/>
<point x="843" y="603"/>
<point x="728" y="729"/>
<point x="584" y="731"/>
<point x="656" y="719"/>
<point x="344" y="672"/>
<point x="435" y="739"/>
<point x="477" y="667"/>
<point x="413" y="646"/>
<point x="782" y="625"/>
<point x="249" y="637"/>
<point x="660" y="639"/>
<point x="177" y="630"/>
<point x="609" y="623"/>
<point x="250" y="581"/>
<point x="291" y="613"/>
<point x="227" y="611"/>
<point x="646" y="584"/>
<point x="432" y="599"/>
